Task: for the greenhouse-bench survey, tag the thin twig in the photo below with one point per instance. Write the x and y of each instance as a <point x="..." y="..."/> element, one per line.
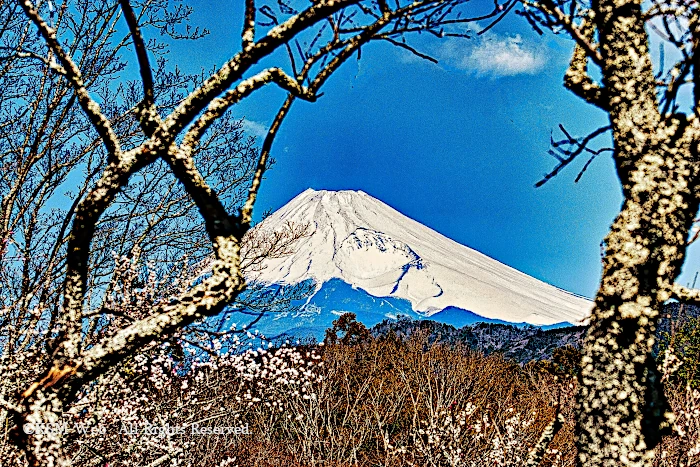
<point x="72" y="73"/>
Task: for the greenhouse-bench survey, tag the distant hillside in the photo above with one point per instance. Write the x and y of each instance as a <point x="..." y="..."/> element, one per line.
<point x="521" y="344"/>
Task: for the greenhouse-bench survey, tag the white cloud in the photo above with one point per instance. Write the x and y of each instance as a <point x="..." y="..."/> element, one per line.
<point x="498" y="56"/>
<point x="254" y="128"/>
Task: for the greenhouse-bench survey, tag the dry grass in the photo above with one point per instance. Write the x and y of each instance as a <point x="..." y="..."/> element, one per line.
<point x="384" y="402"/>
<point x="390" y="403"/>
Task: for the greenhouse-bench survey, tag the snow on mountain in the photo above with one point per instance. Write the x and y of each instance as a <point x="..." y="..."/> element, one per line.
<point x="371" y="246"/>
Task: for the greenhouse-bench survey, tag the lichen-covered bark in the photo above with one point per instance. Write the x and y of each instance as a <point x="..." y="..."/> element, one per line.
<point x="629" y="80"/>
<point x="622" y="410"/>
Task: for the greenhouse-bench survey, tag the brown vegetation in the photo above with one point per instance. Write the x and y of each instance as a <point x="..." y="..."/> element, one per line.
<point x="376" y="402"/>
<point x="380" y="402"/>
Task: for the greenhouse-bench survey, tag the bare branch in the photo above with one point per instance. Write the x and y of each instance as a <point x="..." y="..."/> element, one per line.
<point x="569" y="155"/>
<point x="685" y="294"/>
<point x="405" y="46"/>
<point x="234" y="68"/>
<point x="248" y="35"/>
<point x="548" y="7"/>
<point x="493" y="23"/>
<point x="247" y="211"/>
<point x="577" y="78"/>
<point x="90" y="107"/>
<point x="220" y="105"/>
<point x="352" y="46"/>
<point x="46" y="61"/>
<point x="694" y="26"/>
<point x="205" y="299"/>
<point x="89" y="210"/>
<point x="538" y="452"/>
<point x="214" y="213"/>
<point x="147" y="114"/>
<point x="696" y="235"/>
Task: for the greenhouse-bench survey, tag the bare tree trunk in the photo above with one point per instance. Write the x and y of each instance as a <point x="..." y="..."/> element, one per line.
<point x="622" y="411"/>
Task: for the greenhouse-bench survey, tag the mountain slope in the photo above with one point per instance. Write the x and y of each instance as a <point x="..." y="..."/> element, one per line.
<point x="371" y="246"/>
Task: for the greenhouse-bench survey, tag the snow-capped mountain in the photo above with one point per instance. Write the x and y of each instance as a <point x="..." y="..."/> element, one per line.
<point x="358" y="240"/>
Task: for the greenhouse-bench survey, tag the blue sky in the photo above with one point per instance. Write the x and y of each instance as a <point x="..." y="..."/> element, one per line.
<point x="457" y="146"/>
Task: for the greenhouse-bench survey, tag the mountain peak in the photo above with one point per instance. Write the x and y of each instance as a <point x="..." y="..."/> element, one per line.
<point x="310" y="193"/>
<point x="362" y="241"/>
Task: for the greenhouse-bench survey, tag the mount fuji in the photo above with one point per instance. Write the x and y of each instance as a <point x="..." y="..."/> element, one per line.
<point x="365" y="257"/>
